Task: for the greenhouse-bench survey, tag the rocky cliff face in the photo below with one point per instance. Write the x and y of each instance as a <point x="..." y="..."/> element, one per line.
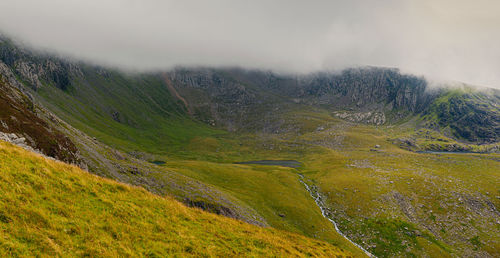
<point x="359" y="88"/>
<point x="369" y="87"/>
<point x="239" y="99"/>
<point x="36" y="69"/>
<point x="221" y="99"/>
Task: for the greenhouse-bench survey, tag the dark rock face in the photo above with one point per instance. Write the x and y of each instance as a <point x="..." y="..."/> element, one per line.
<point x="361" y="88"/>
<point x="366" y="87"/>
<point x="33" y="69"/>
<point x="216" y="95"/>
<point x="210" y="207"/>
<point x="247" y="100"/>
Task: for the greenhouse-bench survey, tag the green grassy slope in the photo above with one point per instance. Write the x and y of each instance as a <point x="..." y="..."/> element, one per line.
<point x="48" y="208"/>
<point x="129" y="112"/>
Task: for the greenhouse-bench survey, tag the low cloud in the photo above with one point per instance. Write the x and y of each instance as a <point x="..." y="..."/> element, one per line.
<point x="442" y="39"/>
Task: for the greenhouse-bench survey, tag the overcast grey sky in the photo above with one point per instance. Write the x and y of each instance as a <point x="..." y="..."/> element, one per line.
<point x="443" y="39"/>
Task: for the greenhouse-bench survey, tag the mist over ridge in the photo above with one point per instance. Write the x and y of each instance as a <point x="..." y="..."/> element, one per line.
<point x="445" y="40"/>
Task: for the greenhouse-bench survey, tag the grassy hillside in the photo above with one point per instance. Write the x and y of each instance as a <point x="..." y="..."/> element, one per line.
<point x="133" y="113"/>
<point x="49" y="208"/>
<point x="273" y="195"/>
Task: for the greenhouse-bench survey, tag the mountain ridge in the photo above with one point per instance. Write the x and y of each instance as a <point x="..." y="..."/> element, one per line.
<point x="225" y="96"/>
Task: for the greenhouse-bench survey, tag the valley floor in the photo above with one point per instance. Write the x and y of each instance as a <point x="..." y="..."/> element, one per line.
<point x="391" y="201"/>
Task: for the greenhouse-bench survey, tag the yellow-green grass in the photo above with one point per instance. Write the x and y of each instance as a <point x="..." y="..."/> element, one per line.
<point x="361" y="186"/>
<point x="274" y="192"/>
<point x="49" y="208"/>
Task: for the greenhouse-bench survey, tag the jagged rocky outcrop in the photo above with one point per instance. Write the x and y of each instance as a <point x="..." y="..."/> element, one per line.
<point x="214" y="97"/>
<point x="36" y="69"/>
<point x="362" y="88"/>
<point x="366" y="88"/>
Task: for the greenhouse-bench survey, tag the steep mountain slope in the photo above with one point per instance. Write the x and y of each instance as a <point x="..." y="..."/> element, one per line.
<point x="150" y="111"/>
<point x="20" y="123"/>
<point x="48" y="208"/>
<point x="362" y="88"/>
<point x="135" y="112"/>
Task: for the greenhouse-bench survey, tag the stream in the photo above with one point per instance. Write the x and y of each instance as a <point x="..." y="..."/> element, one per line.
<point x="313" y="192"/>
<point x="317" y="198"/>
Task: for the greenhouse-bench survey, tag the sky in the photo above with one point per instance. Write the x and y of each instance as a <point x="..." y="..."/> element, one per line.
<point x="455" y="40"/>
